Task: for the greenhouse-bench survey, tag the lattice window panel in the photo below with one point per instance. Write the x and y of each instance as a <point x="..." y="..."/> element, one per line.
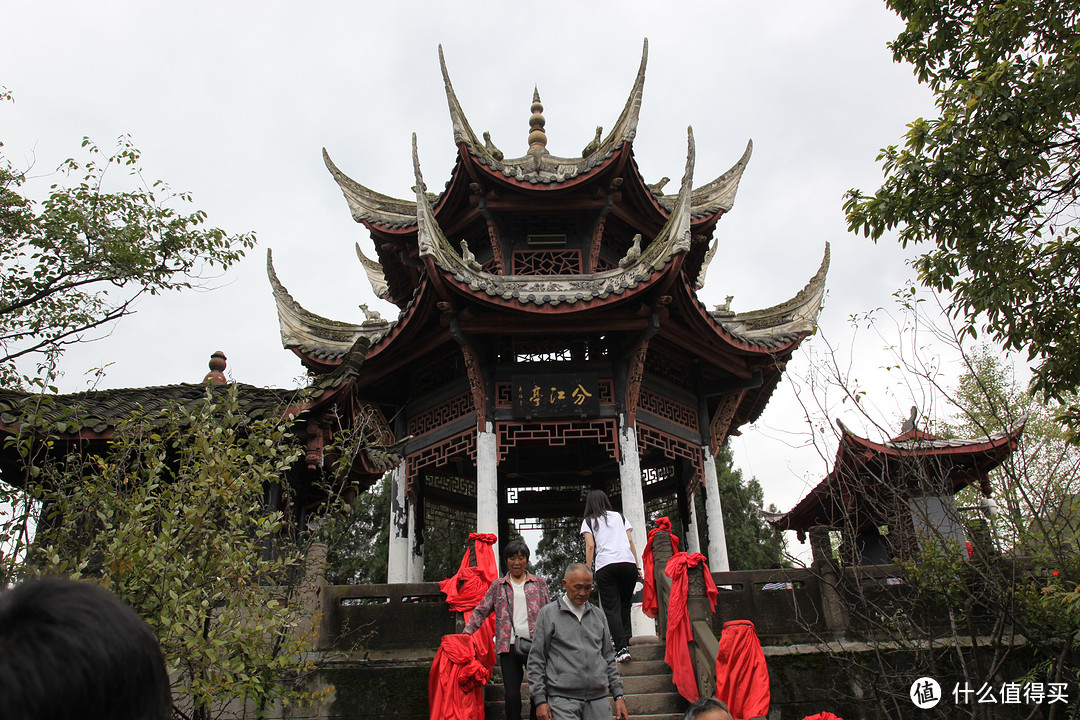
<point x="440" y="453"/>
<point x="465" y="487"/>
<point x="547" y="262"/>
<point x="664" y="366"/>
<point x="558" y="432"/>
<point x="673" y="448"/>
<point x="654" y="475"/>
<point x="607" y="392"/>
<point x="542" y="350"/>
<point x="456" y="517"/>
<point x="602" y="263"/>
<point x="443" y="413"/>
<point x="669" y="409"/>
<point x="439" y="372"/>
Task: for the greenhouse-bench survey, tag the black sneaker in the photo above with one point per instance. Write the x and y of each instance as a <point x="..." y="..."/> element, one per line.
<point x="622" y="655"/>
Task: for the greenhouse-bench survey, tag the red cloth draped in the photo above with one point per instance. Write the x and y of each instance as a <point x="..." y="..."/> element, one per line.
<point x="465" y="589"/>
<point x="742" y="679"/>
<point x="649" y="605"/>
<point x="456" y="682"/>
<point x="679" y="635"/>
<point x="822" y="716"/>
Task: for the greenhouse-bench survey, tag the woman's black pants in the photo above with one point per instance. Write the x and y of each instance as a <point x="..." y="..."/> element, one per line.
<point x="615" y="585"/>
<point x="513" y="672"/>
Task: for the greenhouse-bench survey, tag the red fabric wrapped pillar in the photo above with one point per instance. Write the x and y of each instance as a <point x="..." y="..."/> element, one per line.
<point x="465" y="589"/>
<point x="456" y="681"/>
<point x="742" y="679"/>
<point x="649" y="604"/>
<point x="679" y="635"/>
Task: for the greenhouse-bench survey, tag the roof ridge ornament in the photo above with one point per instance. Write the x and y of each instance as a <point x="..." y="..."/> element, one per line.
<point x="537" y="136"/>
<point x="216" y="376"/>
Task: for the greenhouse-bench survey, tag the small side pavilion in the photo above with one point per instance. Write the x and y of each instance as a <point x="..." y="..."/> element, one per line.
<point x="906" y="484"/>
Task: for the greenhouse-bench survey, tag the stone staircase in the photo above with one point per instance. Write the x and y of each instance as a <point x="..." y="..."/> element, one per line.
<point x="650" y="694"/>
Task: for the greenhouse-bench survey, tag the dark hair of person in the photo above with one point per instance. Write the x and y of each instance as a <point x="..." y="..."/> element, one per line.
<point x="596" y="505"/>
<point x="73" y="650"/>
<point x="700" y="707"/>
<point x="516" y="547"/>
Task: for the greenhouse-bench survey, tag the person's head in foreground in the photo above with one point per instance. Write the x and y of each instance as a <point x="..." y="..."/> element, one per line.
<point x="73" y="650"/>
<point x="516" y="557"/>
<point x="707" y="709"/>
<point x="577" y="583"/>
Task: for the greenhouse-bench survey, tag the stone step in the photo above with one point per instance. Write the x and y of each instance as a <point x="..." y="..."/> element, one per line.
<point x="643" y="648"/>
<point x="660" y="706"/>
<point x="632" y="685"/>
<point x="644" y="667"/>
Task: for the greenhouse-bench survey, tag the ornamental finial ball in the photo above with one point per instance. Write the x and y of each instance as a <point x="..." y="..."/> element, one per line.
<point x="217" y="369"/>
<point x="537" y="136"/>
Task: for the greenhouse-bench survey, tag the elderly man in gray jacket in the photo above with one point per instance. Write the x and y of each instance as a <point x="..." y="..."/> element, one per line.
<point x="571" y="666"/>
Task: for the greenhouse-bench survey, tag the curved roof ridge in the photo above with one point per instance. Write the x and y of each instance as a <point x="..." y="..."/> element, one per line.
<point x="719" y="194"/>
<point x="797" y="315"/>
<point x="314" y="334"/>
<point x="625" y="128"/>
<point x="463" y="132"/>
<point x="367" y="205"/>
<point x="375" y="275"/>
<point x="674" y="237"/>
<point x="542" y="167"/>
<point x="636" y="268"/>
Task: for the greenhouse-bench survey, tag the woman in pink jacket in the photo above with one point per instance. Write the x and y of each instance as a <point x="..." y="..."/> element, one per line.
<point x="515" y="599"/>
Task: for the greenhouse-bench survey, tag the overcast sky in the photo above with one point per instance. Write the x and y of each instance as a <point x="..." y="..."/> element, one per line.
<point x="234" y="102"/>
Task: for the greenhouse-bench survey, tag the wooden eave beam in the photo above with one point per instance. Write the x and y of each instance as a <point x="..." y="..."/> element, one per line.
<point x="545" y="324"/>
<point x="710" y="350"/>
<point x="649" y="227"/>
<point x="503" y="203"/>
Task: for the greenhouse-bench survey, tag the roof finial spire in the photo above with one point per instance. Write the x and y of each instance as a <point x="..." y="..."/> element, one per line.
<point x="216" y="376"/>
<point x="537" y="136"/>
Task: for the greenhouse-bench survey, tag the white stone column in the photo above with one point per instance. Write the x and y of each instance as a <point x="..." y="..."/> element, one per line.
<point x="487" y="481"/>
<point x="633" y="507"/>
<point x="714" y="514"/>
<point x="397" y="565"/>
<point x="693" y="539"/>
<point x="415" y="560"/>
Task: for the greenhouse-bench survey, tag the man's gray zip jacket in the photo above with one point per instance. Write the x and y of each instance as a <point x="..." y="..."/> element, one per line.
<point x="572" y="658"/>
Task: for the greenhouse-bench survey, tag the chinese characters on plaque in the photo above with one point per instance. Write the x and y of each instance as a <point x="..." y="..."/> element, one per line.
<point x="556" y="395"/>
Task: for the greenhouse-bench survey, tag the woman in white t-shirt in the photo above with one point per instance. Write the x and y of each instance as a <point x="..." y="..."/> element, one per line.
<point x="610" y="552"/>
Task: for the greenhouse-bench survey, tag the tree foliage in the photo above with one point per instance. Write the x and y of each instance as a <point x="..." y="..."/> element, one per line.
<point x="1008" y="611"/>
<point x="561" y="543"/>
<point x="1038" y="487"/>
<point x="173" y="519"/>
<point x="78" y="259"/>
<point x="987" y="190"/>
<point x="359" y="542"/>
<point x="752" y="543"/>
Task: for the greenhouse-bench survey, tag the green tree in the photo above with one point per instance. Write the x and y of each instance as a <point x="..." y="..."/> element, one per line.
<point x="360" y="545"/>
<point x="1008" y="612"/>
<point x="987" y="190"/>
<point x="78" y="260"/>
<point x="173" y="519"/>
<point x="1038" y="488"/>
<point x="561" y="543"/>
<point x="752" y="543"/>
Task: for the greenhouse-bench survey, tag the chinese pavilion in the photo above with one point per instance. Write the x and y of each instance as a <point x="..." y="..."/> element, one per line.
<point x="905" y="484"/>
<point x="550" y="337"/>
